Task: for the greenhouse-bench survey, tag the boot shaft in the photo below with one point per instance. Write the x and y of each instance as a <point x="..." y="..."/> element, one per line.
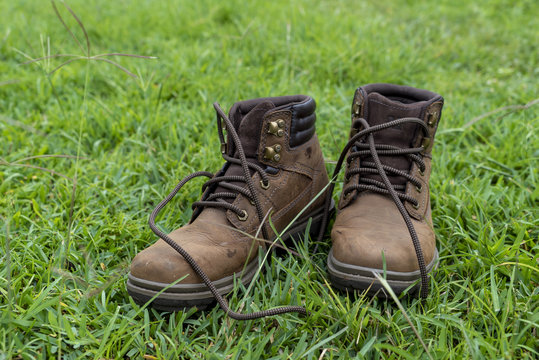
<point x="249" y="119"/>
<point x="381" y="103"/>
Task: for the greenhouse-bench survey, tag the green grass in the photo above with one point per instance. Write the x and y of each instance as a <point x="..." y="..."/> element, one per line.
<point x="62" y="278"/>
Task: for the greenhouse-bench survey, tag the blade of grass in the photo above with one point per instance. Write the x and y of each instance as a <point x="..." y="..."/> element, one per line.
<point x="325" y="341"/>
<point x="53" y="172"/>
<point x="81" y="25"/>
<point x="8" y="278"/>
<point x="120" y="54"/>
<point x="46" y="157"/>
<point x="494" y="290"/>
<point x="67" y="27"/>
<point x="118" y="66"/>
<point x="390" y="291"/>
<point x="8" y="82"/>
<point x="48" y="57"/>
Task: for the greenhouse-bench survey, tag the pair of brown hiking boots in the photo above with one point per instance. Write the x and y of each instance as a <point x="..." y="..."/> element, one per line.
<point x="274" y="186"/>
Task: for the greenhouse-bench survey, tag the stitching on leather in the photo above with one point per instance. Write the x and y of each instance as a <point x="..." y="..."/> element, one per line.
<point x="253" y="223"/>
<point x="267" y="201"/>
<point x="287" y="208"/>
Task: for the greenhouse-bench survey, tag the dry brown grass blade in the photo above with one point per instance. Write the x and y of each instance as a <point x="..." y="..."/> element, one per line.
<point x="68" y="275"/>
<point x="65" y="25"/>
<point x="8" y="82"/>
<point x="65" y="63"/>
<point x="261" y="226"/>
<point x="87" y="56"/>
<point x="48" y="57"/>
<point x="78" y="57"/>
<point x="511" y="109"/>
<point x="118" y="66"/>
<point x="50" y="171"/>
<point x="98" y="59"/>
<point x="120" y="54"/>
<point x="81" y="26"/>
<point x="47" y="157"/>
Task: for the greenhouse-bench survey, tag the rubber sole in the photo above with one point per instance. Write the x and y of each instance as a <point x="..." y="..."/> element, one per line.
<point x="179" y="297"/>
<point x="349" y="277"/>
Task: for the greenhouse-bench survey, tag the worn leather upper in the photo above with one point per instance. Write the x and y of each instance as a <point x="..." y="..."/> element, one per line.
<point x="218" y="239"/>
<point x="369" y="223"/>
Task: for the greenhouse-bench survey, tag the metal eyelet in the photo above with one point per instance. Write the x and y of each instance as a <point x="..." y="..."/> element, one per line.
<point x="272" y="152"/>
<point x="422" y="172"/>
<point x="431" y="118"/>
<point x="276" y="127"/>
<point x="264" y="186"/>
<point x="415" y="206"/>
<point x="356" y="108"/>
<point x="243" y="216"/>
<point x="425" y="143"/>
<point x="419" y="188"/>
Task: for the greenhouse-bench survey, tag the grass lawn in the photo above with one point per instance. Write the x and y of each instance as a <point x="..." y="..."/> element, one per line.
<point x="70" y="224"/>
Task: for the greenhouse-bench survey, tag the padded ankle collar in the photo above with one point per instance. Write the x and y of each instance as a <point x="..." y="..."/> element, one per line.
<point x="303" y="122"/>
<point x="303" y="114"/>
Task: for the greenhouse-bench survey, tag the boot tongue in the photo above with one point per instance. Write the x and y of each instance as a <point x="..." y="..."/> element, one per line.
<point x="382" y="110"/>
<point x="250" y="127"/>
<point x="249" y="133"/>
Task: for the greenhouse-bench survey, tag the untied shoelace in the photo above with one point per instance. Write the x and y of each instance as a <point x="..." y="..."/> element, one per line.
<point x="217" y="200"/>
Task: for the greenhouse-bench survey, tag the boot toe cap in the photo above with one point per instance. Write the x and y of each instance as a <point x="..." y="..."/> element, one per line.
<point x="161" y="263"/>
<point x="361" y="237"/>
<point x="368" y="249"/>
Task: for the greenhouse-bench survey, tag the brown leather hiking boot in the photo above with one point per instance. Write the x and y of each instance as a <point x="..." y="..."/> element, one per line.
<point x="274" y="170"/>
<point x="384" y="221"/>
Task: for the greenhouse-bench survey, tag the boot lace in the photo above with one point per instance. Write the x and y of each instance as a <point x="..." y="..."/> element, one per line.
<point x="361" y="149"/>
<point x="218" y="200"/>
